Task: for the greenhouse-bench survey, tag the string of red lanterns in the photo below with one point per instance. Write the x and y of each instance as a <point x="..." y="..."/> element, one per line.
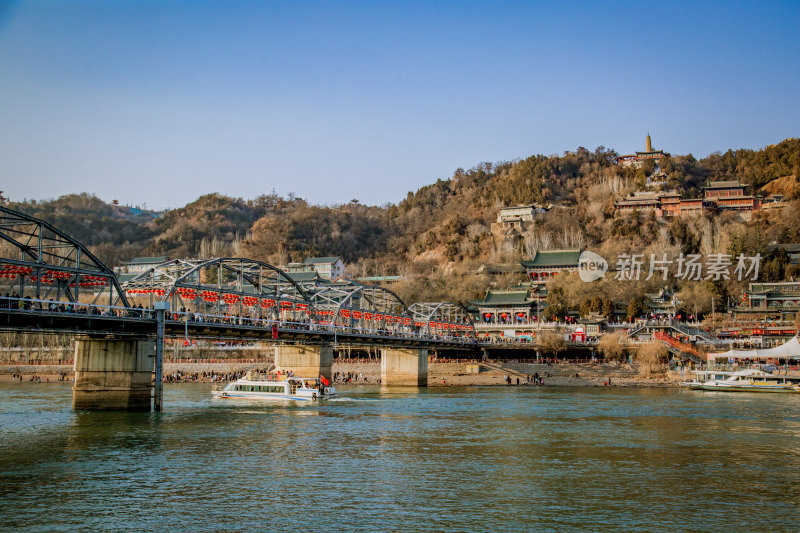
<point x="159" y="292"/>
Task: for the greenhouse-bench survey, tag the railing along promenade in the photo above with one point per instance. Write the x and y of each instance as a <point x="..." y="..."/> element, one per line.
<point x="682" y="346"/>
<point x="778" y="370"/>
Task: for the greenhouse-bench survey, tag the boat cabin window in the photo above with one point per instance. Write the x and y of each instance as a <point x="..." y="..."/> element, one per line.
<point x="259" y="388"/>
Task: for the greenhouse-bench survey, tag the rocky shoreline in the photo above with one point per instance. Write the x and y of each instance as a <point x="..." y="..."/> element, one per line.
<point x="439" y="374"/>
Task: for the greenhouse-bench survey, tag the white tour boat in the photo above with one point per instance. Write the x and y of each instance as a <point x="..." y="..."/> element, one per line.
<point x="258" y="386"/>
<point x="748" y="380"/>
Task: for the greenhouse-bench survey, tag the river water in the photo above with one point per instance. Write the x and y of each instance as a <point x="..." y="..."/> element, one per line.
<point x="439" y="459"/>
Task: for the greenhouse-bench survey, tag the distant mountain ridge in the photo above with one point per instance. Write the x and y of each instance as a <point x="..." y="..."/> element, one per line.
<point x="443" y="229"/>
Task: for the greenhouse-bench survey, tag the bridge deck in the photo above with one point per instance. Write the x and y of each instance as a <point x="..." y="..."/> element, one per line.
<point x="124" y="322"/>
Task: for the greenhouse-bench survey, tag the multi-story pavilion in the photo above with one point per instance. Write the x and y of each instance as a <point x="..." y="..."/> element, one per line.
<point x="510" y="312"/>
<point x="638" y="159"/>
<point x="508" y="306"/>
<point x="548" y="263"/>
<point x="774" y="300"/>
<point x="730" y="195"/>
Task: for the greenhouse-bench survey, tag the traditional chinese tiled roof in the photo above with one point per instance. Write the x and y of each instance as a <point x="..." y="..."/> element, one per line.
<point x="592" y="318"/>
<point x="789" y="247"/>
<point x="730" y="184"/>
<point x="531" y="206"/>
<point x="733" y="198"/>
<point x="378" y="279"/>
<point x="321" y="260"/>
<point x="505" y="297"/>
<point x="553" y="258"/>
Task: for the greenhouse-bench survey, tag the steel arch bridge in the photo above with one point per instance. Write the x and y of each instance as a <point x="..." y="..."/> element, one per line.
<point x="443" y="318"/>
<point x="40" y="262"/>
<point x="362" y="307"/>
<point x="44" y="270"/>
<point x="223" y="286"/>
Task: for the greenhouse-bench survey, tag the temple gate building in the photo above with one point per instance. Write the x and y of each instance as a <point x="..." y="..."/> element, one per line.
<point x="548" y="263"/>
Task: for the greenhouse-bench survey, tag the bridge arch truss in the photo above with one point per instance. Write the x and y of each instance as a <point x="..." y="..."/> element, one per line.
<point x="361" y="307"/>
<point x="223" y="286"/>
<point x="41" y="262"/>
<point x="443" y="318"/>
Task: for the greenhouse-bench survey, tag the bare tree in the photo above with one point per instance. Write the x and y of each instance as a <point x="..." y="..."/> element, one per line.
<point x="651" y="354"/>
<point x="572" y="238"/>
<point x="535" y="241"/>
<point x="613" y="346"/>
<point x="552" y="343"/>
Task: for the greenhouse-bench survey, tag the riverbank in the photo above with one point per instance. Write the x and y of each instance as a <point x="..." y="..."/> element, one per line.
<point x="439" y="374"/>
<point x="494" y="373"/>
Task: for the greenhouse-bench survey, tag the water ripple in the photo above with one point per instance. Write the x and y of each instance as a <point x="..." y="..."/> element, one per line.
<point x="445" y="459"/>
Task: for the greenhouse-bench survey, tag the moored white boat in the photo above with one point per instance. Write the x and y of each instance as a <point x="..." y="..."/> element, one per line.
<point x="748" y="380"/>
<point x="268" y="387"/>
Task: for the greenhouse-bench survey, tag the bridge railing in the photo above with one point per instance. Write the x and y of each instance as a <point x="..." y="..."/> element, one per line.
<point x="78" y="309"/>
<point x="73" y="308"/>
<point x="307" y="325"/>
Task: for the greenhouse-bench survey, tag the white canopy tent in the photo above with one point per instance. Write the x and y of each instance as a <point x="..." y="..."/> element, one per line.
<point x="788" y="350"/>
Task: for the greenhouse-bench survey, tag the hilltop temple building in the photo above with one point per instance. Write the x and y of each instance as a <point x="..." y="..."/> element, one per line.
<point x="717" y="196"/>
<point x="638" y="159"/>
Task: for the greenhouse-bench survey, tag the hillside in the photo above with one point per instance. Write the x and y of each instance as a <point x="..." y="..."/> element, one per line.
<point x="439" y="235"/>
<point x="114" y="233"/>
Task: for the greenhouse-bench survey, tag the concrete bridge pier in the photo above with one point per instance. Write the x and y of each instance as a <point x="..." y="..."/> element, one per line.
<point x="113" y="374"/>
<point x="404" y="367"/>
<point x="305" y="360"/>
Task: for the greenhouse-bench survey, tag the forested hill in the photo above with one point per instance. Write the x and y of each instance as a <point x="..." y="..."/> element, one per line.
<point x="110" y="231"/>
<point x="445" y="230"/>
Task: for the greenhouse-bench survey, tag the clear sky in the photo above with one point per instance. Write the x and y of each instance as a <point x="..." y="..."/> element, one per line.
<point x="159" y="102"/>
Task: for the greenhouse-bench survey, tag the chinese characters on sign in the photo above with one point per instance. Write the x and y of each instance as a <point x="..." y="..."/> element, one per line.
<point x="631" y="267"/>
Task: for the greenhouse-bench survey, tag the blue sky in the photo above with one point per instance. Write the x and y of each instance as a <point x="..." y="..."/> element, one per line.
<point x="158" y="102"/>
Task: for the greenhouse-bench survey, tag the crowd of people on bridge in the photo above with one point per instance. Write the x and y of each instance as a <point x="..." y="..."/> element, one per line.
<point x="254" y="318"/>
